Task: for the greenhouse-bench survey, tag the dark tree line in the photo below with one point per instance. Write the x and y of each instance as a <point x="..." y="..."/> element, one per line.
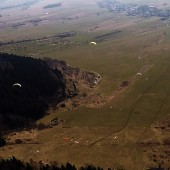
<point x="15" y="164"/>
<point x="40" y="86"/>
<point x="53" y="5"/>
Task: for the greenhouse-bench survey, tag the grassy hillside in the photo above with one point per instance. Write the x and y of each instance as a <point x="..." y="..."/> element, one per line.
<point x="140" y="46"/>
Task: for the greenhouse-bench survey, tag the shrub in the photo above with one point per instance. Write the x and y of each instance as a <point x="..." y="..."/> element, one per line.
<point x="2" y="141"/>
<point x="166" y="141"/>
<point x="18" y="141"/>
<point x="41" y="126"/>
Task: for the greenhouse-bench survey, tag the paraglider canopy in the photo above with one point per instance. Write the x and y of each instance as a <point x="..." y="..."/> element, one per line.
<point x="139" y="74"/>
<point x="94" y="43"/>
<point x="16" y="84"/>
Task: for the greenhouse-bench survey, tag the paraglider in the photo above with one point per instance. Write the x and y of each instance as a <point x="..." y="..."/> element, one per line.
<point x="94" y="43"/>
<point x="139" y="74"/>
<point x="16" y="84"/>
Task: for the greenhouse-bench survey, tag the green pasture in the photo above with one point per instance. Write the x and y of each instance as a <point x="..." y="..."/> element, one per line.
<point x="116" y="58"/>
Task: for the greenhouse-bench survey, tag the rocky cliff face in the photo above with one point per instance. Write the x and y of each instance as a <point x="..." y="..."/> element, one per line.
<point x="38" y="86"/>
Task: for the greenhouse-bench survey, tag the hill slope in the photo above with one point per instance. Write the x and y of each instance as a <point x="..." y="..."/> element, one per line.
<point x="40" y="86"/>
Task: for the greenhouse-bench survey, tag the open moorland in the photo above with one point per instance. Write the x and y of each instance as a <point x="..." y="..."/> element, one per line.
<point x="123" y="122"/>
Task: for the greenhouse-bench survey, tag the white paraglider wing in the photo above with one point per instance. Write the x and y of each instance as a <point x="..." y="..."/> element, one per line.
<point x="94" y="43"/>
<point x="17" y="84"/>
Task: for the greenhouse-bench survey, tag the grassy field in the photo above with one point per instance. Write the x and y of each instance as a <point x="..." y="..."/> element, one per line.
<point x="129" y="114"/>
